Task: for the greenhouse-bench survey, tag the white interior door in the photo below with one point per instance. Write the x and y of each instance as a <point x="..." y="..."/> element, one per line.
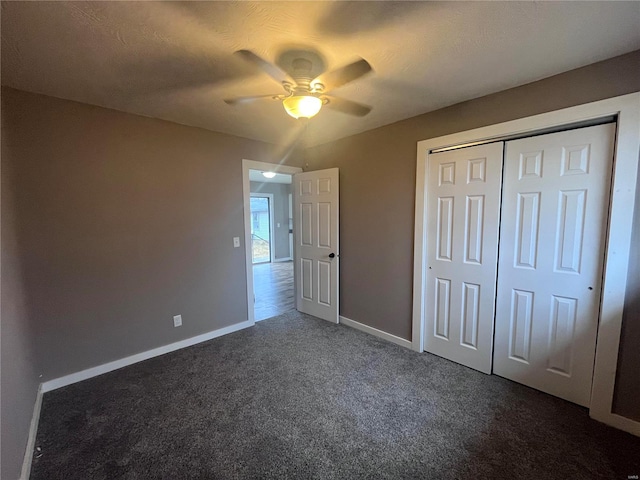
<point x="315" y="200"/>
<point x="552" y="238"/>
<point x="463" y="211"/>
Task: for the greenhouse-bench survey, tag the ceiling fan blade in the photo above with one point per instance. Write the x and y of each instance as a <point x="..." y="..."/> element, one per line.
<point x="347" y="106"/>
<point x="270" y="69"/>
<point x="249" y="99"/>
<point x="341" y="76"/>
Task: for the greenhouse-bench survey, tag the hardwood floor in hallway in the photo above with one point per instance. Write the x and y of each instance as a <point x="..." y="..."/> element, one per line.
<point x="273" y="289"/>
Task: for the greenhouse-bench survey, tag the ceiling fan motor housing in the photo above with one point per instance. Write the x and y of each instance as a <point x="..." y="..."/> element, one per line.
<point x="301" y="72"/>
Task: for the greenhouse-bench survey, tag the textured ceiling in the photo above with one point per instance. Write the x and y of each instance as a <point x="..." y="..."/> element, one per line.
<point x="173" y="60"/>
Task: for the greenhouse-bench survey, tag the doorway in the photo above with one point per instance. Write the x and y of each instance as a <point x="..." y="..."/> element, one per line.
<point x="313" y="222"/>
<point x="268" y="245"/>
<point x="271" y="253"/>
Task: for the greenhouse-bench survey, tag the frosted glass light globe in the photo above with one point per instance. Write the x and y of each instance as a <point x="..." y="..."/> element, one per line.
<point x="302" y="106"/>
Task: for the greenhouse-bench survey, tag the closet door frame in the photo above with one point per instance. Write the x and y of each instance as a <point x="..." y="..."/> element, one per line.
<point x="626" y="110"/>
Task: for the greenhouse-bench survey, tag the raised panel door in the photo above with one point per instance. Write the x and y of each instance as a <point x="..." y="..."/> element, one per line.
<point x="552" y="240"/>
<point x="463" y="209"/>
<point x="316" y="238"/>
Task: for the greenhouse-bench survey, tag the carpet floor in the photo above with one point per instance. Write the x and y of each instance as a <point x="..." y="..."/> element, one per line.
<point x="298" y="398"/>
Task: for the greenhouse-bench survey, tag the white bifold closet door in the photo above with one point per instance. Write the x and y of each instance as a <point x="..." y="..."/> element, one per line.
<point x="463" y="211"/>
<point x="552" y="240"/>
<point x="547" y="263"/>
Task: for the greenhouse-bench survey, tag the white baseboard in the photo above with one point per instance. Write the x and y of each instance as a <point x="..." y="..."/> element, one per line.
<point x="287" y="259"/>
<point x="31" y="440"/>
<point x="374" y="331"/>
<point x="619" y="422"/>
<point x="139" y="357"/>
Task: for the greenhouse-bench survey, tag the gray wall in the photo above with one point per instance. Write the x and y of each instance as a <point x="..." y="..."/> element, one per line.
<point x="19" y="376"/>
<point x="377" y="194"/>
<point x="280" y="193"/>
<point x="111" y="224"/>
<point x="122" y="222"/>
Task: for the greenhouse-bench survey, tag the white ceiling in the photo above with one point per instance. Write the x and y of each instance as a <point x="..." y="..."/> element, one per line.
<point x="173" y="60"/>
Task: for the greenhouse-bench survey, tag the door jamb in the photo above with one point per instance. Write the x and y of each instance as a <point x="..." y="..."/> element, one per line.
<point x="246" y="195"/>
<point x="618" y="244"/>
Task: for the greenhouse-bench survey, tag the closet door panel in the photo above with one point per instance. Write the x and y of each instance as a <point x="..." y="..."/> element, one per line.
<point x="463" y="207"/>
<point x="552" y="239"/>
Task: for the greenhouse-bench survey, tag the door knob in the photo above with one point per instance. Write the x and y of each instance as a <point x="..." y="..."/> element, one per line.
<point x="332" y="255"/>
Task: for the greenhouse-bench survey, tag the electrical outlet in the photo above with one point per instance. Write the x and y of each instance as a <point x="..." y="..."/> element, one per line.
<point x="177" y="320"/>
<point x="236" y="242"/>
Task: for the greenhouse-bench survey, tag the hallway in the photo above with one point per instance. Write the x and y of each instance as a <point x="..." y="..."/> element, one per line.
<point x="273" y="289"/>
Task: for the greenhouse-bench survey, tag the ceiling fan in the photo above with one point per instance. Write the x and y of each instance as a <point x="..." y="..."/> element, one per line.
<point x="304" y="93"/>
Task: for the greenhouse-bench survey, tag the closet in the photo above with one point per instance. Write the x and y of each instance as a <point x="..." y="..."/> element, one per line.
<point x="515" y="254"/>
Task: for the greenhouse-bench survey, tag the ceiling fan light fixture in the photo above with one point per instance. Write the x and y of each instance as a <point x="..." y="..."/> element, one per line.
<point x="302" y="106"/>
<point x="269" y="174"/>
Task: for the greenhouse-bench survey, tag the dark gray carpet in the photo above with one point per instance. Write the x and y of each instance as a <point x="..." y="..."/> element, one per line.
<point x="297" y="397"/>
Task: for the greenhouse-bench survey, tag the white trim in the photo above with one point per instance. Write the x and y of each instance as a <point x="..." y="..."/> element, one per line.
<point x="246" y="195"/>
<point x="419" y="254"/>
<point x="627" y="109"/>
<point x="375" y="332"/>
<point x="284" y="259"/>
<point x="139" y="357"/>
<point x="619" y="422"/>
<point x="272" y="223"/>
<point x="31" y="441"/>
<point x="623" y="193"/>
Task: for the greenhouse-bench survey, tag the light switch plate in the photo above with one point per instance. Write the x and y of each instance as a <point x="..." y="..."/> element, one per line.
<point x="236" y="242"/>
